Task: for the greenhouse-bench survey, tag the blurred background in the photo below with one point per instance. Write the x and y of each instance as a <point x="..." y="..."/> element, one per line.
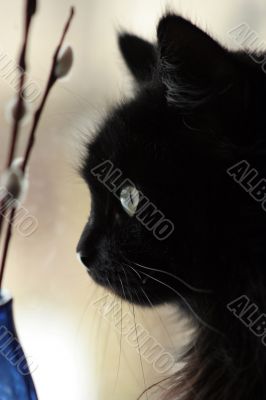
<point x="77" y="353"/>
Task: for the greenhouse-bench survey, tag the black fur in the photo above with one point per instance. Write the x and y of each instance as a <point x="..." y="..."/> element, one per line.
<point x="198" y="110"/>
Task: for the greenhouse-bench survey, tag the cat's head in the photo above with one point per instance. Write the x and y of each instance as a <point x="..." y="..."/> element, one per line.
<point x="156" y="170"/>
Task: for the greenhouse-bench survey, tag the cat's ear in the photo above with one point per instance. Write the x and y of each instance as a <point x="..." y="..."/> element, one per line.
<point x="192" y="65"/>
<point x="139" y="55"/>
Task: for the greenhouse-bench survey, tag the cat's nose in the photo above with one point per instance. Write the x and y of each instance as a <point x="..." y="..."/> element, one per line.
<point x="83" y="260"/>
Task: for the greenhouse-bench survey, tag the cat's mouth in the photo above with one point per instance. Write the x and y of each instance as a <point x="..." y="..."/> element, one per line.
<point x="127" y="291"/>
<point x="118" y="279"/>
<point x="127" y="282"/>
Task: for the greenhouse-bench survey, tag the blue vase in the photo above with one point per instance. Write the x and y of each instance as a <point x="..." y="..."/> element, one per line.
<point x="15" y="379"/>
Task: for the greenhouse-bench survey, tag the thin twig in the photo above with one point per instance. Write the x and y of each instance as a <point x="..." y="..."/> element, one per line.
<point x="29" y="12"/>
<point x="51" y="80"/>
<point x="6" y="244"/>
<point x="23" y="69"/>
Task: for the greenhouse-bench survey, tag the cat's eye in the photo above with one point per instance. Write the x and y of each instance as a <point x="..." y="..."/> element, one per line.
<point x="130" y="198"/>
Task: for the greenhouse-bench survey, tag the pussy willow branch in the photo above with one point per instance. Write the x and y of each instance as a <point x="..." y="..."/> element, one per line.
<point x="29" y="12"/>
<point x="50" y="83"/>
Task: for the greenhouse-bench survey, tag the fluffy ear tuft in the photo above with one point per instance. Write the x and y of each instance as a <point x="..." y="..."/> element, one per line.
<point x="139" y="55"/>
<point x="190" y="60"/>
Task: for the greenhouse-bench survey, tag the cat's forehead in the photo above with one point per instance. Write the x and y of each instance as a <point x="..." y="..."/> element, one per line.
<point x="129" y="133"/>
<point x="127" y="141"/>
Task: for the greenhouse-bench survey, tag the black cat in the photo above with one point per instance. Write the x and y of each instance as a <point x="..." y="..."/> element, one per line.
<point x="170" y="219"/>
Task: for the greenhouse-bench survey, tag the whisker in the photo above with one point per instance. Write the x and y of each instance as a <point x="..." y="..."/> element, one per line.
<point x="140" y="358"/>
<point x="136" y="272"/>
<point x="156" y="311"/>
<point x="86" y="308"/>
<point x="186" y="302"/>
<point x="109" y="283"/>
<point x="123" y="269"/>
<point x="120" y="345"/>
<point x="104" y="352"/>
<point x="122" y="286"/>
<point x="175" y="277"/>
<point x="98" y="331"/>
<point x="137" y="295"/>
